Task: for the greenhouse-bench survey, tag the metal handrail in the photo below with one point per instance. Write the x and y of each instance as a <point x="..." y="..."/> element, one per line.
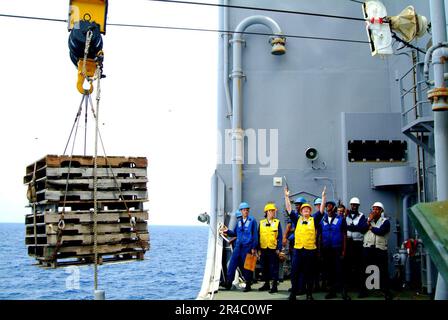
<point x="418" y="88"/>
<point x="415" y="106"/>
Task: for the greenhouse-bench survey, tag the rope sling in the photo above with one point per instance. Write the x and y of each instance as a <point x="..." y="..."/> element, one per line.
<point x="86" y="100"/>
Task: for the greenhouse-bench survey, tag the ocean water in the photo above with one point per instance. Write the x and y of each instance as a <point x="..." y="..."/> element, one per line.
<point x="172" y="269"/>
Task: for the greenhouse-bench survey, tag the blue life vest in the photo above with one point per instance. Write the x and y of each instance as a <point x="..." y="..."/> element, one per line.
<point x="332" y="234"/>
<point x="244" y="231"/>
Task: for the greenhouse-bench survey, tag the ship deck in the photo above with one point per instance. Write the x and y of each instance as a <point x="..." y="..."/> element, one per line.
<point x="283" y="294"/>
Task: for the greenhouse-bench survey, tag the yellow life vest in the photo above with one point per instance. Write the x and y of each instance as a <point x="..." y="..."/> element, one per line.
<point x="305" y="235"/>
<point x="269" y="234"/>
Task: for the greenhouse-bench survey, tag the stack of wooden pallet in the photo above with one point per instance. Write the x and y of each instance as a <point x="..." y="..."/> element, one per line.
<point x="60" y="228"/>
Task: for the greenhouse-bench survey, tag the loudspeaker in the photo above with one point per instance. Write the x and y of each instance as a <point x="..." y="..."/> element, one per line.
<point x="409" y="24"/>
<point x="311" y="154"/>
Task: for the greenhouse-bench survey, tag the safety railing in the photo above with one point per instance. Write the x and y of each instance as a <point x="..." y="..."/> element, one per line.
<point x="413" y="95"/>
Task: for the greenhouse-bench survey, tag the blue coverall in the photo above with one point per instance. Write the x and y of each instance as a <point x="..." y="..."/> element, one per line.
<point x="332" y="231"/>
<point x="246" y="239"/>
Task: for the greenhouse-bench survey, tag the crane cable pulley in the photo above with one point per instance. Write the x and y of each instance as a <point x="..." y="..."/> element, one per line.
<point x="85" y="74"/>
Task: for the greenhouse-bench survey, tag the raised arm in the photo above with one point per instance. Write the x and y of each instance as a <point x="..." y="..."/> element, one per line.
<point x="382" y="230"/>
<point x="324" y="200"/>
<point x="287" y="201"/>
<point x="227" y="232"/>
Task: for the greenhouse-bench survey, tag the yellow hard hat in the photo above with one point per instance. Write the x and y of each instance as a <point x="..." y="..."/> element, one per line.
<point x="270" y="206"/>
<point x="306" y="205"/>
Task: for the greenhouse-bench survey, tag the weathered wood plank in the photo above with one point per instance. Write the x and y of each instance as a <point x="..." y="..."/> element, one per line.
<point x="84" y="217"/>
<point x="101" y="183"/>
<point x="52" y="228"/>
<point x="72" y="228"/>
<point x="58" y="195"/>
<point x="86" y="172"/>
<point x="87" y="239"/>
<point x="79" y="205"/>
<point x="88" y="250"/>
<point x="123" y="213"/>
<point x="89" y="259"/>
<point x="114" y="161"/>
<point x="105" y="184"/>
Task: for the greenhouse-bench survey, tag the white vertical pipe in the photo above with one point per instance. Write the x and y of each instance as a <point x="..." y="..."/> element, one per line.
<point x="237" y="105"/>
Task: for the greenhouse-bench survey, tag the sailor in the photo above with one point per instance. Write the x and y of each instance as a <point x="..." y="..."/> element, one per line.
<point x="318" y="215"/>
<point x="304" y="254"/>
<point x="246" y="242"/>
<point x="375" y="246"/>
<point x="288" y="236"/>
<point x="332" y="234"/>
<point x="341" y="210"/>
<point x="356" y="227"/>
<point x="270" y="242"/>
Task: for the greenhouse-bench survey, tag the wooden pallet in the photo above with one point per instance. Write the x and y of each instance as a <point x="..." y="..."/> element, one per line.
<point x="77" y="195"/>
<point x="89" y="205"/>
<point x="86" y="172"/>
<point x="65" y="184"/>
<point x="77" y="161"/>
<point x="46" y="252"/>
<point x="86" y="217"/>
<point x="89" y="259"/>
<point x="87" y="184"/>
<point x="85" y="239"/>
<point x="86" y="228"/>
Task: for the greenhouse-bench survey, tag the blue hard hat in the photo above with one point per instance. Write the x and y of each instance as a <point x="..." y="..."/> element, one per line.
<point x="238" y="214"/>
<point x="317" y="201"/>
<point x="332" y="202"/>
<point x="244" y="205"/>
<point x="300" y="200"/>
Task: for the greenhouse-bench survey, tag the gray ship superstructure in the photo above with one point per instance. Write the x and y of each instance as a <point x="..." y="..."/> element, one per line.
<point x="302" y="101"/>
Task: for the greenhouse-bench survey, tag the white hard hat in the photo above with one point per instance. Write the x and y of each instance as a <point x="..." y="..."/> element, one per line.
<point x="378" y="204"/>
<point x="354" y="200"/>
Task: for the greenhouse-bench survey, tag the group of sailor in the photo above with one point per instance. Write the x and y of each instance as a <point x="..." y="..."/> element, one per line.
<point x="333" y="246"/>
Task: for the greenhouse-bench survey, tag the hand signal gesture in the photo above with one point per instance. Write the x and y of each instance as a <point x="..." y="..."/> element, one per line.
<point x="223" y="229"/>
